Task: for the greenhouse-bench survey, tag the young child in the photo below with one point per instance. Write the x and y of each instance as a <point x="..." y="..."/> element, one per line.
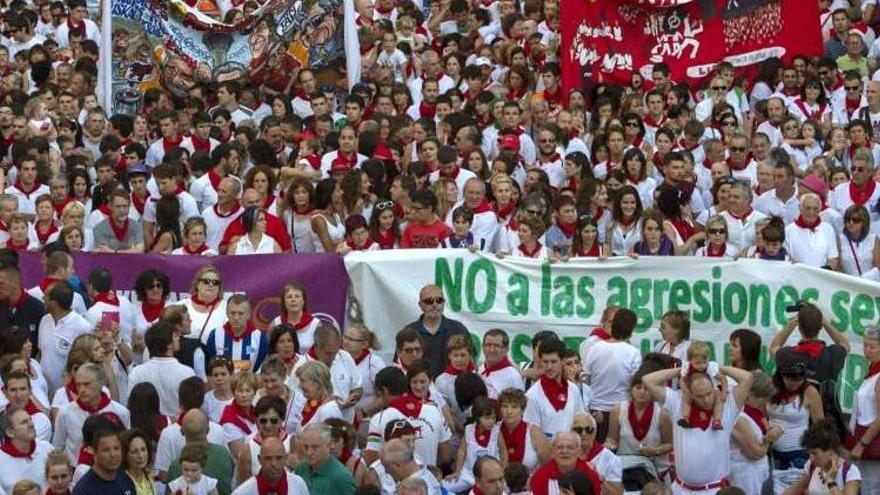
<point x="39" y="123"/>
<point x="462" y="237"/>
<point x="219" y="372"/>
<point x="309" y="159"/>
<point x="571" y="366"/>
<point x="460" y="354"/>
<point x="516" y="476"/>
<point x="675" y="329"/>
<point x="698" y="360"/>
<point x="772" y="241"/>
<point x="18" y="233"/>
<point x="391" y="57"/>
<point x="58" y="471"/>
<point x="482" y="437"/>
<point x="193" y="459"/>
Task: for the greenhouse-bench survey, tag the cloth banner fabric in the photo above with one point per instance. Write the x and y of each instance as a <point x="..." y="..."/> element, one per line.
<point x="261" y="277"/>
<point x="176" y="43"/>
<point x="525" y="296"/>
<point x="607" y="40"/>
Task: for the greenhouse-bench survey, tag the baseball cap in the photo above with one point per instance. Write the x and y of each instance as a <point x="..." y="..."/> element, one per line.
<point x="480" y="61"/>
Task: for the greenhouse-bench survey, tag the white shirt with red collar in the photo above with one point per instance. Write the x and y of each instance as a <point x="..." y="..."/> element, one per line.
<point x="295" y="485"/>
<point x="70" y="419"/>
<point x="24" y="465"/>
<point x="814" y="247"/>
<point x="428" y="421"/>
<point x="27" y="199"/>
<point x="117" y="307"/>
<point x="217" y="223"/>
<point x="607" y="464"/>
<point x="803" y="111"/>
<point x="460" y="176"/>
<point x="344" y="376"/>
<point x="302" y="105"/>
<point x="158" y="148"/>
<point x="193" y="144"/>
<point x="554" y="166"/>
<point x="772" y="132"/>
<point x="527" y="150"/>
<point x="541" y="411"/>
<point x="847" y="194"/>
<point x="748" y="172"/>
<point x="204" y="189"/>
<point x="500" y="376"/>
<point x="340" y="159"/>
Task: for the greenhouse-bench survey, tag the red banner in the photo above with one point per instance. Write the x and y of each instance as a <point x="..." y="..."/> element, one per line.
<point x="608" y="40"/>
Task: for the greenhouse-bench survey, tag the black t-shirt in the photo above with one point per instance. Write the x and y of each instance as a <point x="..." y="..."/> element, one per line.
<point x="92" y="484"/>
<point x="826" y="366"/>
<point x="435" y="344"/>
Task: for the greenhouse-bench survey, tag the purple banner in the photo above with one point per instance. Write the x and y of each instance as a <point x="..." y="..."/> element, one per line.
<point x="260" y="276"/>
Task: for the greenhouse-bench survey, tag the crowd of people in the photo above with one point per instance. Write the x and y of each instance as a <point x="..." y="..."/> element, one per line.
<point x="458" y="136"/>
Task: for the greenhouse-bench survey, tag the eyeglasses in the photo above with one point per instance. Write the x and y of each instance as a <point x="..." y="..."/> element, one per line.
<point x="791" y="127"/>
<point x="719" y="88"/>
<point x="737" y="149"/>
<point x="266" y="421"/>
<point x="584" y="430"/>
<point x="717" y="231"/>
<point x="632" y="124"/>
<point x="852" y="89"/>
<point x="729" y="123"/>
<point x="533" y="212"/>
<point x="156" y="285"/>
<point x="384" y="205"/>
<point x="210" y="281"/>
<point x="433" y="300"/>
<point x="853" y="220"/>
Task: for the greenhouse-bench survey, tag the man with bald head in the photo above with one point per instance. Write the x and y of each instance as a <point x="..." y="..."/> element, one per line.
<point x="399" y="461"/>
<point x="273" y="476"/>
<point x="565" y="458"/>
<point x="223" y="212"/>
<point x="702" y="457"/>
<point x="193" y="428"/>
<point x="275" y="228"/>
<point x="434" y="328"/>
<point x="488" y="476"/>
<point x="607" y="464"/>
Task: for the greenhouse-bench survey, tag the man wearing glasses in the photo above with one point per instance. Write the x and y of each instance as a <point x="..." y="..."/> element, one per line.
<point x="861" y="189"/>
<point x="607" y="464"/>
<point x="852" y="103"/>
<point x="434" y="328"/>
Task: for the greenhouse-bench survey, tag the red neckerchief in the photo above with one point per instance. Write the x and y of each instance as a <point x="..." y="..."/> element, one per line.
<point x="657" y="160"/>
<point x="812" y="348"/>
<point x="700" y="418"/>
<point x="18" y="185"/>
<point x="515" y="440"/>
<point x="632" y="179"/>
<point x="108" y="297"/>
<point x="530" y="253"/>
<point x="199" y="145"/>
<point x="556" y="392"/>
<point x="757" y="416"/>
<point x="552" y="159"/>
<point x="304" y="210"/>
<point x="500" y="365"/>
<point x="195" y="298"/>
<point x="681" y="144"/>
<point x="105" y="210"/>
<point x="248" y="329"/>
<point x="194" y="252"/>
<point x="235" y="207"/>
<point x="59" y="208"/>
<point x="483" y="207"/>
<point x="800" y="222"/>
<point x="152" y="312"/>
<point x="11" y="451"/>
<point x="649" y="121"/>
<point x="785" y="395"/>
<point x="851" y="107"/>
<point x="713" y="252"/>
<point x="640" y="424"/>
<point x="234" y="414"/>
<point x="384" y="11"/>
<point x="482" y="436"/>
<point x="43" y="235"/>
<point x="861" y="195"/>
<point x="553" y="98"/>
<point x="168" y="144"/>
<point x="790" y="91"/>
<point x="102" y="403"/>
<point x="81" y="28"/>
<point x="14" y="305"/>
<point x="267" y="203"/>
<point x="266" y="487"/>
<point x="138" y="202"/>
<point x="346" y="162"/>
<point x="594" y="250"/>
<point x="214" y="177"/>
<point x="310" y="409"/>
<point x="313" y="160"/>
<point x="71" y="391"/>
<point x="427" y="111"/>
<point x="873" y="370"/>
<point x="360" y="357"/>
<point x="408" y="404"/>
<point x="85" y="457"/>
<point x="119" y="231"/>
<point x="514" y="94"/>
<point x="304" y="321"/>
<point x="626" y="222"/>
<point x="567" y="228"/>
<point x="572" y="184"/>
<point x="802" y="105"/>
<point x="11" y="244"/>
<point x="601" y="333"/>
<point x="742" y="218"/>
<point x="46" y="282"/>
<point x="476" y="490"/>
<point x="540" y="483"/>
<point x="452" y="370"/>
<point x="454" y="175"/>
<point x="595" y="449"/>
<point x="741" y="167"/>
<point x="684" y="228"/>
<point x="365" y="247"/>
<point x="385" y="240"/>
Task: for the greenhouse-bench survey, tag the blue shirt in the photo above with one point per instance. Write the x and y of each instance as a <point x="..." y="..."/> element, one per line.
<point x="92" y="484"/>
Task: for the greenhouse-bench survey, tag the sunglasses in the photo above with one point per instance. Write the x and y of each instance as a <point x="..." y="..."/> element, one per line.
<point x="548" y="140"/>
<point x="719" y="88"/>
<point x="584" y="430"/>
<point x="729" y="123"/>
<point x="717" y="231"/>
<point x="632" y="124"/>
<point x="853" y="220"/>
<point x="210" y="281"/>
<point x="385" y="205"/>
<point x="156" y="285"/>
<point x="433" y="300"/>
<point x="737" y="149"/>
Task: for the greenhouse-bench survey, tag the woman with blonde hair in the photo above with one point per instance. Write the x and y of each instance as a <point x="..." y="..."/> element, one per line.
<point x="314" y="381"/>
<point x="443" y="189"/>
<point x="360" y="342"/>
<point x="206" y="304"/>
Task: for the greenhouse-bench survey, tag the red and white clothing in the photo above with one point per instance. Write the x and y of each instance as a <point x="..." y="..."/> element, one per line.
<point x="257" y="485"/>
<point x="430" y="425"/>
<point x="368" y="366"/>
<point x="188" y="208"/>
<point x="337" y="161"/>
<point x="24" y="465"/>
<point x="194" y="143"/>
<point x="545" y="481"/>
<point x="607" y="464"/>
<point x="769" y="203"/>
<point x="749" y="474"/>
<point x="116" y="306"/>
<point x="218" y="222"/>
<point x="725" y="251"/>
<point x="554" y="167"/>
<point x="344" y="376"/>
<point x="500" y="376"/>
<point x="70" y="419"/>
<point x="165" y="373"/>
<point x="305" y="329"/>
<point x="552" y="405"/>
<point x="237" y="422"/>
<point x="415" y="86"/>
<point x="55" y="339"/>
<point x="518" y="441"/>
<point x="479" y="443"/>
<point x="847" y="194"/>
<point x="62" y="32"/>
<point x="485" y="224"/>
<point x="204" y="189"/>
<point x="317" y="413"/>
<point x="157" y="149"/>
<point x="804" y="111"/>
<point x="812" y="246"/>
<point x="747" y="171"/>
<point x="636" y="432"/>
<point x="27" y="197"/>
<point x="255" y="443"/>
<point x="741" y="228"/>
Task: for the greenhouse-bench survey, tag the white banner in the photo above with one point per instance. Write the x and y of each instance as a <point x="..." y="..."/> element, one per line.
<point x="525" y="296"/>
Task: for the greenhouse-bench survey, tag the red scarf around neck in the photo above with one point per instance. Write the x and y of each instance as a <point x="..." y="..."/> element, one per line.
<point x="594" y="250"/>
<point x="44" y="234"/>
<point x="360" y="357"/>
<point x="713" y="251"/>
<point x="170" y="144"/>
<point x="530" y="253"/>
<point x="201" y="145"/>
<point x="138" y="202"/>
<point x="11" y="451"/>
<point x="452" y="370"/>
<point x="119" y="231"/>
<point x="27" y="192"/>
<point x="309" y="411"/>
<point x="503" y="212"/>
<point x="684" y="228"/>
<point x="483" y="207"/>
<point x="515" y="440"/>
<point x="595" y="449"/>
<point x="152" y="312"/>
<point x="234" y="414"/>
<point x="195" y="298"/>
<point x="195" y="252"/>
<point x="861" y="195"/>
<point x="757" y="416"/>
<point x="385" y="239"/>
<point x="102" y="403"/>
<point x="556" y="392"/>
<point x="482" y="436"/>
<point x="640" y="424"/>
<point x="249" y="329"/>
<point x="408" y="404"/>
<point x="108" y="297"/>
<point x="800" y="222"/>
<point x="812" y="348"/>
<point x="566" y="228"/>
<point x="700" y="418"/>
<point x="500" y="365"/>
<point x="266" y="487"/>
<point x="873" y="370"/>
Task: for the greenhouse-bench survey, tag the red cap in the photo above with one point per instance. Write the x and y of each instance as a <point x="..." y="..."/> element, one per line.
<point x="509" y="142"/>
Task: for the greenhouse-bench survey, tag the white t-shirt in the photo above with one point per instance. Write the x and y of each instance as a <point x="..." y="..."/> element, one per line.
<point x="430" y="426"/>
<point x="541" y="413"/>
<point x="611" y="366"/>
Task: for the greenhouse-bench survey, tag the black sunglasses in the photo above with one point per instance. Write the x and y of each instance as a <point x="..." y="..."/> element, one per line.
<point x="433" y="300"/>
